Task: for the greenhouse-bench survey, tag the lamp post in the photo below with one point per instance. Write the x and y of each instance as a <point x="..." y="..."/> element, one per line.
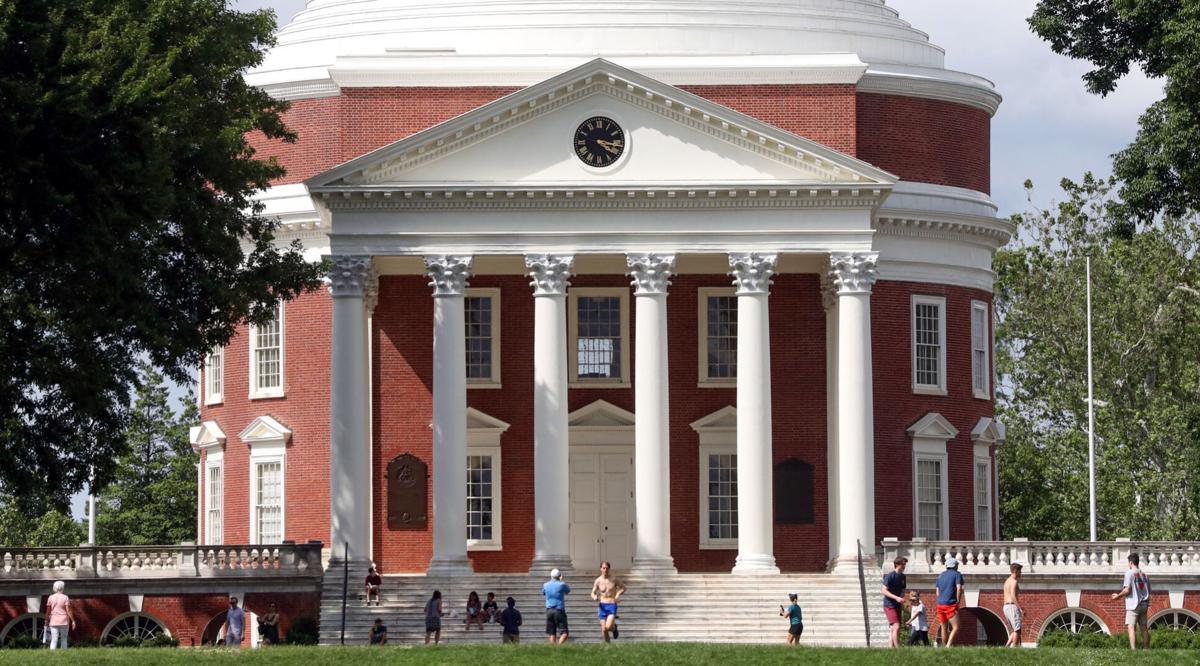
<point x="1091" y="409"/>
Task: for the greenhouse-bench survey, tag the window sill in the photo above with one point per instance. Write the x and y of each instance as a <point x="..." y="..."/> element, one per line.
<point x="484" y="545"/>
<point x="982" y="396"/>
<point x="599" y="385"/>
<point x="929" y="390"/>
<point x="713" y="384"/>
<point x="484" y="385"/>
<point x="215" y="400"/>
<point x="718" y="545"/>
<point x="268" y="393"/>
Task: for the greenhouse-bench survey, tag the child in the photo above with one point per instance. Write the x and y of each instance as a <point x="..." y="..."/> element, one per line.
<point x="474" y="611"/>
<point x="491" y="611"/>
<point x="918" y="621"/>
<point x="795" y="618"/>
<point x="433" y="618"/>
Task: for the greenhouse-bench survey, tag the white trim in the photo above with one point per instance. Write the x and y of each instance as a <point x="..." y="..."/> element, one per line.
<point x="718" y="436"/>
<point x="611" y="113"/>
<point x="494" y="381"/>
<point x="573" y="295"/>
<point x="702" y="296"/>
<point x="257" y="393"/>
<point x="600" y="423"/>
<point x="214" y="460"/>
<point x="984" y="393"/>
<point x="929" y="436"/>
<point x="208" y="435"/>
<point x="212" y="397"/>
<point x="268" y="440"/>
<point x="496" y="542"/>
<point x="940" y="302"/>
<point x="982" y="457"/>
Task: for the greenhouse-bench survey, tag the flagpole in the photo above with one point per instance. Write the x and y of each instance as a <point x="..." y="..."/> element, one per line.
<point x="1091" y="409"/>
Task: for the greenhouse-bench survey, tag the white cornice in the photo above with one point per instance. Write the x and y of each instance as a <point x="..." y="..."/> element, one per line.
<point x="938" y="84"/>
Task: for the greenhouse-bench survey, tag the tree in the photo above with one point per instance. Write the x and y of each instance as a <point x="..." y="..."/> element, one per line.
<point x="1146" y="313"/>
<point x="1160" y="171"/>
<point x="52" y="528"/>
<point x="126" y="190"/>
<point x="152" y="500"/>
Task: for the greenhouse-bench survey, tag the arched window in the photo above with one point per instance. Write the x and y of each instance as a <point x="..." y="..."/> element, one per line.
<point x="27" y="627"/>
<point x="1177" y="620"/>
<point x="133" y="625"/>
<point x="1075" y="621"/>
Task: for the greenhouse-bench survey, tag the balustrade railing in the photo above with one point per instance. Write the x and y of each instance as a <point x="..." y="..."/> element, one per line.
<point x="1063" y="557"/>
<point x="188" y="561"/>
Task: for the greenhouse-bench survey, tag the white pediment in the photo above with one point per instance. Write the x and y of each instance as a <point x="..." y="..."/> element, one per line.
<point x="477" y="420"/>
<point x="933" y="426"/>
<point x="524" y="140"/>
<point x="600" y="414"/>
<point x="724" y="419"/>
<point x="265" y="429"/>
<point x="987" y="431"/>
<point x="206" y="435"/>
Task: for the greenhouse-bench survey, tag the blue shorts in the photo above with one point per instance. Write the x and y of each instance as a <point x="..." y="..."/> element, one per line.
<point x="607" y="609"/>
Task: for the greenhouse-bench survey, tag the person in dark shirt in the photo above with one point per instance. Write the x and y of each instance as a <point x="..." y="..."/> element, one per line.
<point x="491" y="611"/>
<point x="378" y="633"/>
<point x="510" y="619"/>
<point x="374" y="582"/>
<point x="894" y="584"/>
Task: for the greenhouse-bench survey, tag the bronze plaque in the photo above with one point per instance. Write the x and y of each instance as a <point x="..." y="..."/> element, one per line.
<point x="407" y="493"/>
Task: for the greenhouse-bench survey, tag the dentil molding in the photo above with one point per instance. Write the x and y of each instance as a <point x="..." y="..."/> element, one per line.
<point x="651" y="272"/>
<point x="448" y="273"/>
<point x="549" y="274"/>
<point x="752" y="271"/>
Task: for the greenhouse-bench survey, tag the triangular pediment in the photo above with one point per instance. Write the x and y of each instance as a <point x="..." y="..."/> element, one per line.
<point x="987" y="431"/>
<point x="724" y="419"/>
<point x="673" y="138"/>
<point x="933" y="426"/>
<point x="477" y="420"/>
<point x="206" y="435"/>
<point x="265" y="429"/>
<point x="600" y="414"/>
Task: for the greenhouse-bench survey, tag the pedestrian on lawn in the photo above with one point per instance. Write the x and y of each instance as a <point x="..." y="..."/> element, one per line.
<point x="268" y="626"/>
<point x="510" y="620"/>
<point x="1012" y="604"/>
<point x="235" y="624"/>
<point x="894" y="585"/>
<point x="1136" y="593"/>
<point x="607" y="590"/>
<point x="918" y="620"/>
<point x="62" y="617"/>
<point x="795" y="618"/>
<point x="949" y="598"/>
<point x="433" y="618"/>
<point x="556" y="591"/>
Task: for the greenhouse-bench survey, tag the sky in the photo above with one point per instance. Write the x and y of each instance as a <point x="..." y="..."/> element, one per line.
<point x="1048" y="127"/>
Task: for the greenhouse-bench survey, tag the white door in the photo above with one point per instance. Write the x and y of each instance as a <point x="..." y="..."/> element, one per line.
<point x="602" y="510"/>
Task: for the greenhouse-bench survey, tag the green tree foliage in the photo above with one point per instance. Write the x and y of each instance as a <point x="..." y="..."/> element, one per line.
<point x="153" y="497"/>
<point x="125" y="203"/>
<point x="1146" y="322"/>
<point x="51" y="528"/>
<point x="1160" y="171"/>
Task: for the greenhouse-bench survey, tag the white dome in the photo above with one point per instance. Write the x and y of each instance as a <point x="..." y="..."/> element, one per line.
<point x="327" y="29"/>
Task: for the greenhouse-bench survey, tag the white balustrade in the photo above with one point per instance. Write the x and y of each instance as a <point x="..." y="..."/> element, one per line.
<point x="1061" y="557"/>
<point x="161" y="561"/>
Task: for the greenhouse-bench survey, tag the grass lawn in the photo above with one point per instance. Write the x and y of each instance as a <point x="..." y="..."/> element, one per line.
<point x="657" y="654"/>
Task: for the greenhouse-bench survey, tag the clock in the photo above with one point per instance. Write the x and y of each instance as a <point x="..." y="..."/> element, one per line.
<point x="599" y="141"/>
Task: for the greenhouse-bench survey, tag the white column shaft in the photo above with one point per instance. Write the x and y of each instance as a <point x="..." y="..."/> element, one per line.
<point x="855" y="427"/>
<point x="350" y="455"/>
<point x="652" y="437"/>
<point x="449" y="436"/>
<point x="551" y="465"/>
<point x="754" y="467"/>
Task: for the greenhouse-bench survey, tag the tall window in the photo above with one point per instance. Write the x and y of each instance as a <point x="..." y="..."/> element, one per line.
<point x="268" y="501"/>
<point x="600" y="331"/>
<point x="983" y="500"/>
<point x="980" y="346"/>
<point x="214" y="375"/>
<point x="482" y="310"/>
<point x="722" y="500"/>
<point x="214" y="501"/>
<point x="483" y="497"/>
<point x="929" y="344"/>
<point x="718" y="335"/>
<point x="266" y="357"/>
<point x="931" y="498"/>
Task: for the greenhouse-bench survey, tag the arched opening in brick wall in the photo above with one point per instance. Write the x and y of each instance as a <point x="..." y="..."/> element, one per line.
<point x="1075" y="621"/>
<point x="214" y="630"/>
<point x="1176" y="619"/>
<point x="24" y="628"/>
<point x="985" y="626"/>
<point x="133" y="626"/>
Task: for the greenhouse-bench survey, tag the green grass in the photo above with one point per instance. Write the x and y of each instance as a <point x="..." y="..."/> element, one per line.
<point x="659" y="654"/>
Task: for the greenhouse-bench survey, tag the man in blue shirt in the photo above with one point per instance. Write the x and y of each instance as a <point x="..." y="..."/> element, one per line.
<point x="235" y="624"/>
<point x="556" y="593"/>
<point x="950" y="590"/>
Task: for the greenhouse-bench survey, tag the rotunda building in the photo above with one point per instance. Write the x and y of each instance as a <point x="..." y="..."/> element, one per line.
<point x="684" y="285"/>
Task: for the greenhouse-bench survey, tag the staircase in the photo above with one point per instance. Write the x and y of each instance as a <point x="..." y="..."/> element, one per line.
<point x="685" y="607"/>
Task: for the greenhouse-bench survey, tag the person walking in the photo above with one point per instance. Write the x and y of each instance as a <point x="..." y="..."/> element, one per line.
<point x="607" y="590"/>
<point x="268" y="626"/>
<point x="949" y="596"/>
<point x="795" y="618"/>
<point x="894" y="585"/>
<point x="1136" y="593"/>
<point x="556" y="591"/>
<point x="1012" y="604"/>
<point x="510" y="620"/>
<point x="918" y="620"/>
<point x="235" y="624"/>
<point x="433" y="618"/>
<point x="62" y="617"/>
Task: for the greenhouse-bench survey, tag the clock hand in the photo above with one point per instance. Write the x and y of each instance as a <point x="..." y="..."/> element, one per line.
<point x="610" y="146"/>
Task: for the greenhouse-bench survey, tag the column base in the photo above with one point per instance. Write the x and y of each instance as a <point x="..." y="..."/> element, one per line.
<point x="455" y="566"/>
<point x="849" y="564"/>
<point x="755" y="565"/>
<point x="653" y="566"/>
<point x="541" y="566"/>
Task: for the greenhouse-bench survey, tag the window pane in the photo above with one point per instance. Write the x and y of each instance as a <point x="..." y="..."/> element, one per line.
<point x="927" y="318"/>
<point x="983" y="502"/>
<point x="479" y="498"/>
<point x="479" y="337"/>
<point x="722" y="337"/>
<point x="214" y="501"/>
<point x="268" y="501"/>
<point x="929" y="499"/>
<point x="721" y="503"/>
<point x="214" y="372"/>
<point x="979" y="351"/>
<point x="599" y="340"/>
<point x="268" y="353"/>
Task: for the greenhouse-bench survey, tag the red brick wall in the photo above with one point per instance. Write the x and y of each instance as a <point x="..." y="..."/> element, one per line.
<point x="926" y="141"/>
<point x="824" y="113"/>
<point x="897" y="408"/>
<point x="305" y="409"/>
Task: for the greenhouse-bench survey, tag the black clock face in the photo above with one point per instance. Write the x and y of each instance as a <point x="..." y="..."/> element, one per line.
<point x="599" y="141"/>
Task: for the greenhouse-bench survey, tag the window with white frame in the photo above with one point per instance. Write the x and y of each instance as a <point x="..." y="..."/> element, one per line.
<point x="718" y="314"/>
<point x="483" y="497"/>
<point x="268" y="501"/>
<point x="931" y="496"/>
<point x="721" y="506"/>
<point x="980" y="351"/>
<point x="214" y="524"/>
<point x="482" y="315"/>
<point x="599" y="330"/>
<point x="266" y="357"/>
<point x="929" y="344"/>
<point x="983" y="499"/>
<point x="214" y="376"/>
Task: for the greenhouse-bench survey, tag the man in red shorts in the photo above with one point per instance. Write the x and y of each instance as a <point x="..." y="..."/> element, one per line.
<point x="949" y="596"/>
<point x="894" y="584"/>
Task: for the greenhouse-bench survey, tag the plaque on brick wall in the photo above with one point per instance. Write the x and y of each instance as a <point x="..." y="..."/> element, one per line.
<point x="407" y="485"/>
<point x="793" y="492"/>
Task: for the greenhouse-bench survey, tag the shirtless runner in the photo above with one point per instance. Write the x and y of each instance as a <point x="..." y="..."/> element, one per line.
<point x="1012" y="605"/>
<point x="607" y="590"/>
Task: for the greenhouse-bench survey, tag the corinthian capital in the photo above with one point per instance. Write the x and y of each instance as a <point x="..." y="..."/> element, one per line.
<point x="828" y="291"/>
<point x="651" y="273"/>
<point x="853" y="272"/>
<point x="448" y="273"/>
<point x="349" y="275"/>
<point x="549" y="274"/>
<point x="752" y="271"/>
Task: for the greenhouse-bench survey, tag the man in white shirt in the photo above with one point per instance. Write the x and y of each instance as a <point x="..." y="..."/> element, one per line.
<point x="1136" y="593"/>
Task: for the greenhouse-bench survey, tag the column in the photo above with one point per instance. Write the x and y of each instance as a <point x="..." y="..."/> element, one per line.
<point x="853" y="275"/>
<point x="829" y="301"/>
<point x="448" y="277"/>
<point x="752" y="277"/>
<point x="349" y="403"/>
<point x="651" y="275"/>
<point x="549" y="275"/>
